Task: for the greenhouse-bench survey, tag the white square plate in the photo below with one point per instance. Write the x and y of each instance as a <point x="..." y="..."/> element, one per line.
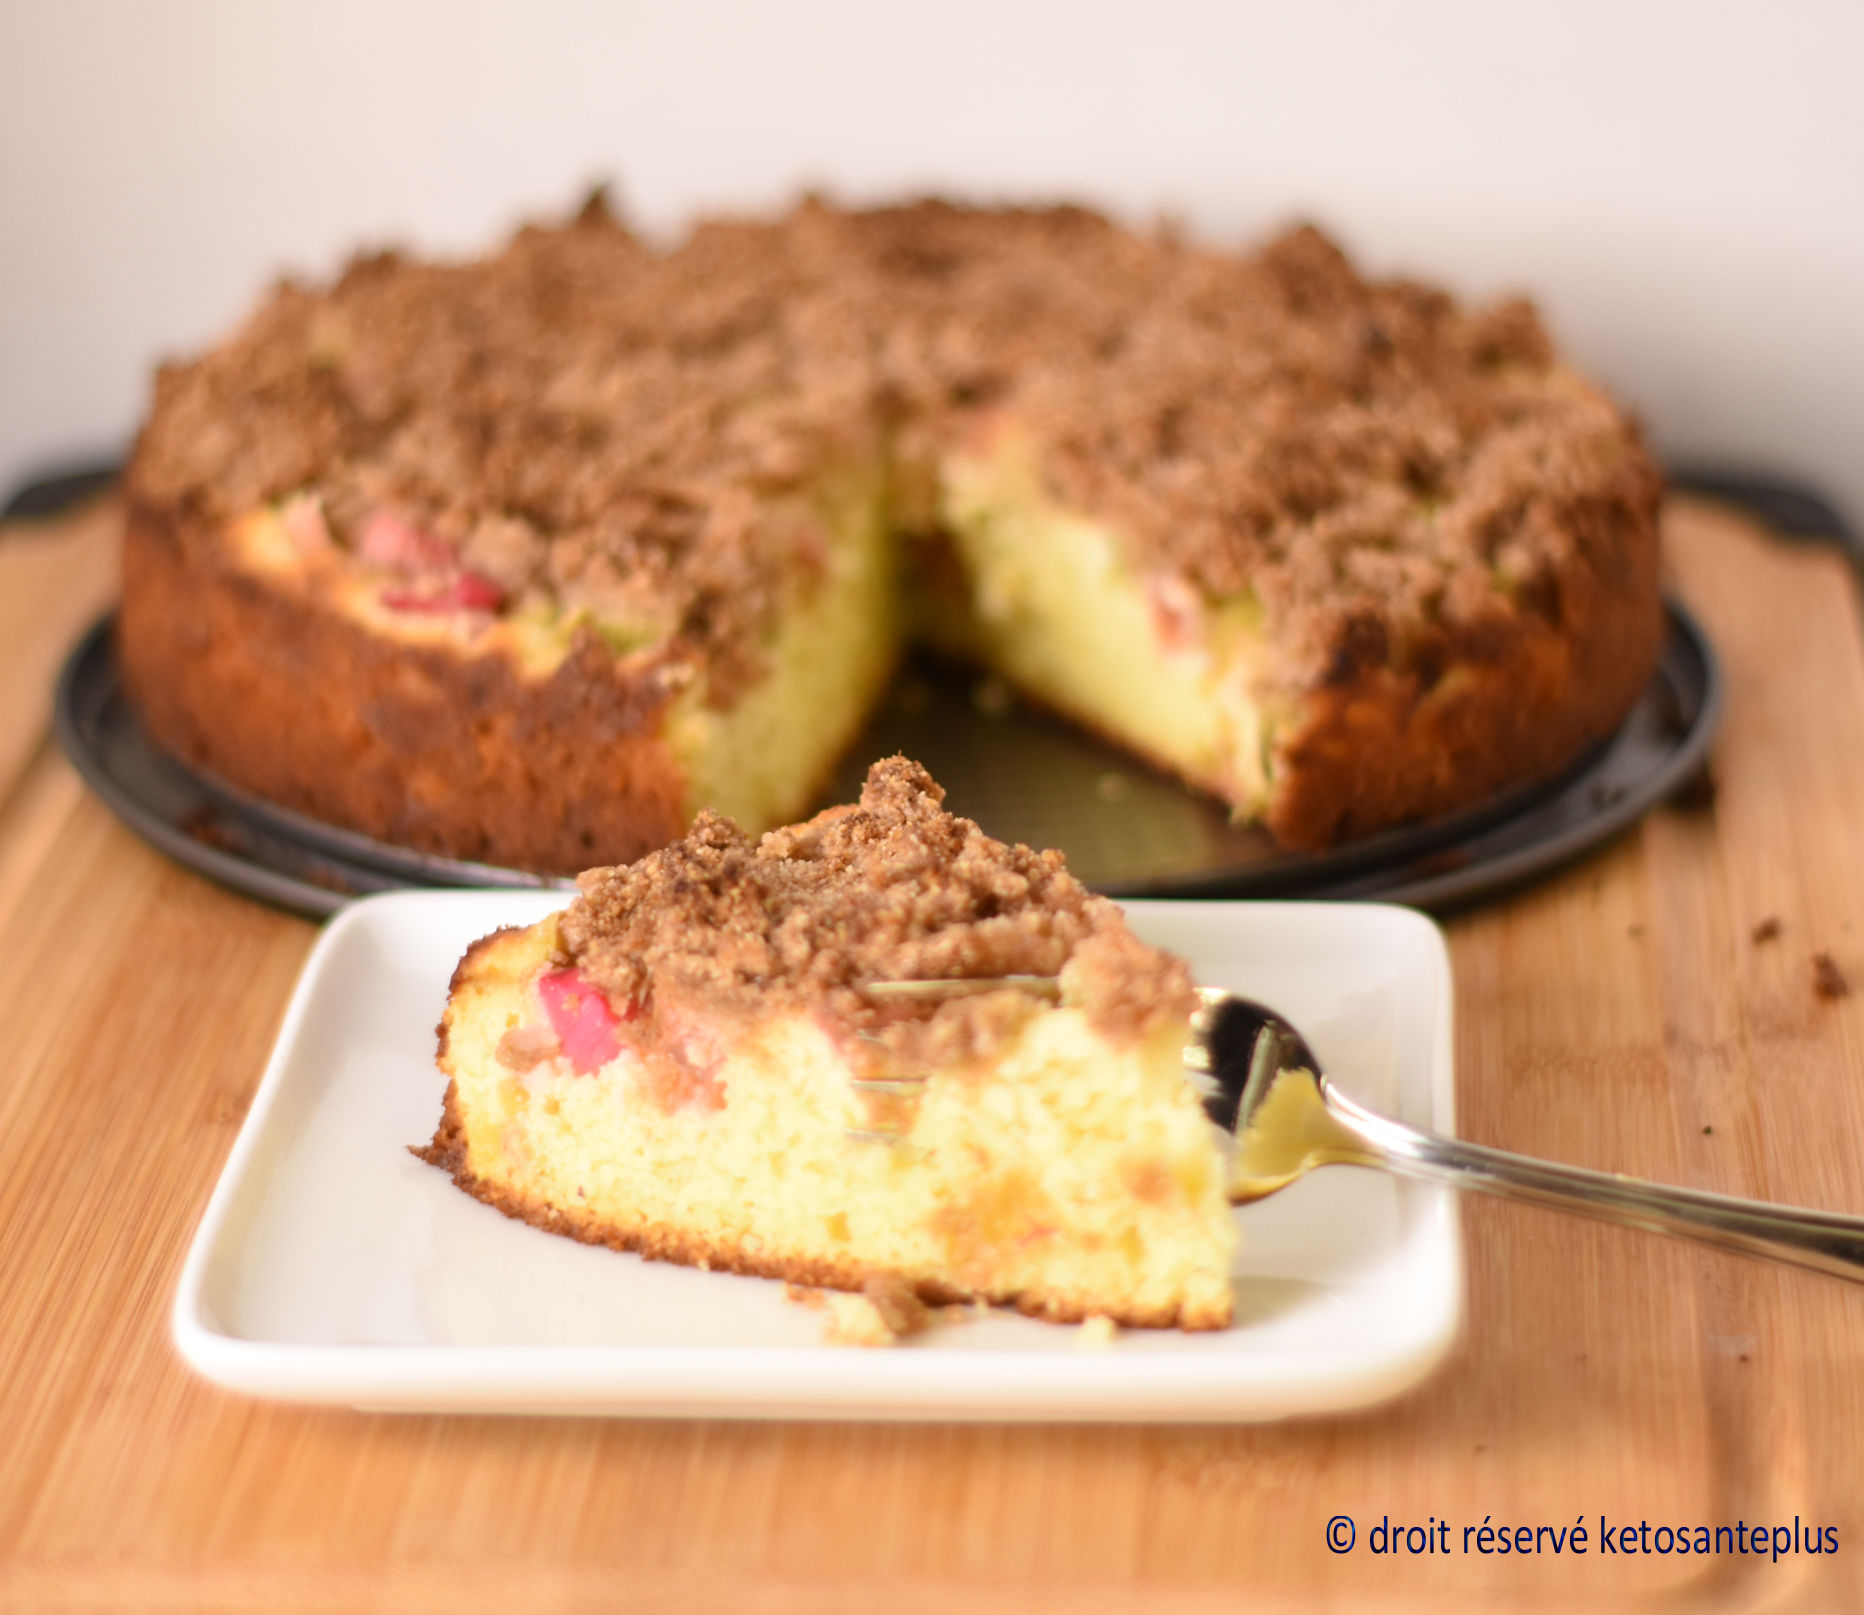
<point x="332" y="1266"/>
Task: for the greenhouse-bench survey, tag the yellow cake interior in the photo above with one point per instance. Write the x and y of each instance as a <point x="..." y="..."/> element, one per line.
<point x="761" y="756"/>
<point x="762" y="759"/>
<point x="1068" y="1175"/>
<point x="1054" y="605"/>
<point x="1048" y="600"/>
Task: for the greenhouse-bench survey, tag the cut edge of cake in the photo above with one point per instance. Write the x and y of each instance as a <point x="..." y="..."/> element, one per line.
<point x="543" y="741"/>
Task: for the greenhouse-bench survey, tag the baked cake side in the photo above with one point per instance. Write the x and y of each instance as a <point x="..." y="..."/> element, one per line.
<point x="531" y="558"/>
<point x="692" y="1063"/>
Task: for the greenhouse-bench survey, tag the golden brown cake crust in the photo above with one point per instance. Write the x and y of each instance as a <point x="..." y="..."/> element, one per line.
<point x="287" y="697"/>
<point x="1406" y="729"/>
<point x="1380" y="745"/>
<point x="448" y="1151"/>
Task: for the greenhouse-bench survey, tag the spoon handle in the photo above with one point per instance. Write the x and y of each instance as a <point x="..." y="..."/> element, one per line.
<point x="1825" y="1241"/>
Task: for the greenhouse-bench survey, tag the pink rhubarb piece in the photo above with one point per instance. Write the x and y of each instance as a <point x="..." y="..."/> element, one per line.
<point x="580" y="1016"/>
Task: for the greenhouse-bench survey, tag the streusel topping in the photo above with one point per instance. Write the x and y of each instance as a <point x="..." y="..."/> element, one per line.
<point x="590" y="422"/>
<point x="1391" y="476"/>
<point x="581" y="421"/>
<point x="891" y="888"/>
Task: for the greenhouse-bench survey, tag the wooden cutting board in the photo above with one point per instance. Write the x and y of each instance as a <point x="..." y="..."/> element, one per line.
<point x="1653" y="1010"/>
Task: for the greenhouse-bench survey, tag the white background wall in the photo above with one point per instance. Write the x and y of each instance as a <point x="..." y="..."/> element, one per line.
<point x="1682" y="186"/>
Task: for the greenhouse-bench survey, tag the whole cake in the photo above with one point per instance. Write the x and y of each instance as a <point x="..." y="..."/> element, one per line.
<point x="532" y="558"/>
<point x="760" y="1056"/>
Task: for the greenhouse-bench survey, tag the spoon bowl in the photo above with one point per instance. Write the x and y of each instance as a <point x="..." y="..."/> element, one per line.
<point x="1263" y="1087"/>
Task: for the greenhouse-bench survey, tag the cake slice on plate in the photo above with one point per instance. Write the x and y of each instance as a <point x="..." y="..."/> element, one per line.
<point x="700" y="1060"/>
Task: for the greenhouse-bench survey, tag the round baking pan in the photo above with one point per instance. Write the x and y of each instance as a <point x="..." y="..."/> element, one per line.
<point x="1023" y="775"/>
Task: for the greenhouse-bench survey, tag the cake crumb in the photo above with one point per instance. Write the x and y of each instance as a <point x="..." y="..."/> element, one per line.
<point x="912" y="696"/>
<point x="992" y="697"/>
<point x="884" y="1312"/>
<point x="1096" y="1333"/>
<point x="1697" y="793"/>
<point x="1828" y="981"/>
<point x="853" y="1320"/>
<point x="1765" y="931"/>
<point x="897" y="1303"/>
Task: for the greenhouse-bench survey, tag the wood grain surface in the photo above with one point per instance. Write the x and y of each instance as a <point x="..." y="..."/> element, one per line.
<point x="1622" y="1015"/>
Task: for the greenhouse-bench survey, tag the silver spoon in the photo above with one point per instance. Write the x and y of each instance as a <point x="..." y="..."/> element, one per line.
<point x="1264" y="1086"/>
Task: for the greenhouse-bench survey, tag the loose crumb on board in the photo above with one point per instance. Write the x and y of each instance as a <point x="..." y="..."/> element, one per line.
<point x="1766" y="931"/>
<point x="1828" y="981"/>
<point x="1697" y="793"/>
<point x="1096" y="1333"/>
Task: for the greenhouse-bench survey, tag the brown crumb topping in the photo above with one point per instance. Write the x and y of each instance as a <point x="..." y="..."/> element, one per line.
<point x="582" y="422"/>
<point x="586" y="421"/>
<point x="893" y="887"/>
<point x="1392" y="477"/>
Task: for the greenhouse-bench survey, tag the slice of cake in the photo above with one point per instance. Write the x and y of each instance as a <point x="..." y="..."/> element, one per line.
<point x="702" y="1060"/>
